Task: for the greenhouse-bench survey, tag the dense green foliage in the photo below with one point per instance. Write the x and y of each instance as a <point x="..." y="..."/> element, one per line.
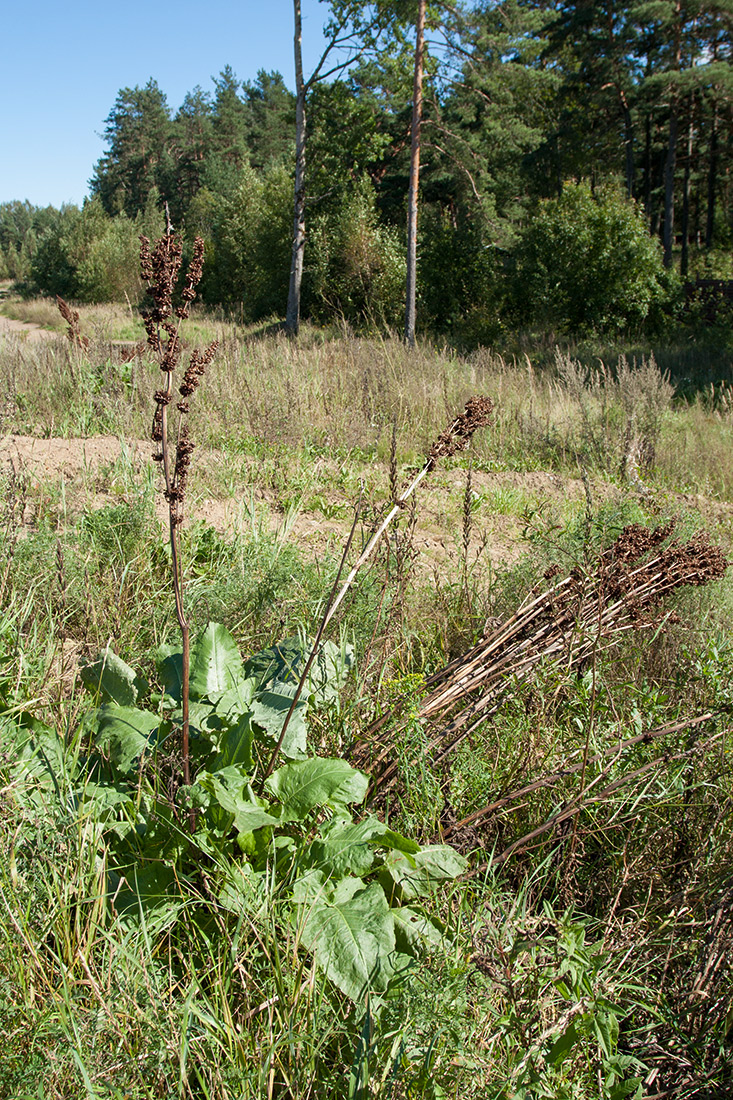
<point x="523" y="98"/>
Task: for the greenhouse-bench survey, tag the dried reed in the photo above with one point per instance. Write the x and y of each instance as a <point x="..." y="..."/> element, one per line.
<point x="569" y="622"/>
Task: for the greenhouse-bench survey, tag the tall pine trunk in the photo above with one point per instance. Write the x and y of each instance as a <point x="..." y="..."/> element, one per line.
<point x="712" y="179"/>
<point x="669" y="173"/>
<point x="414" y="180"/>
<point x="292" y="319"/>
<point x="685" y="257"/>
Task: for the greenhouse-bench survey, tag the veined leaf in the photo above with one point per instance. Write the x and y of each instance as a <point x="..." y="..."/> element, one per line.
<point x="125" y="733"/>
<point x="235" y="746"/>
<point x="414" y="875"/>
<point x="232" y="792"/>
<point x="305" y="784"/>
<point x="414" y="931"/>
<point x="236" y="701"/>
<point x="270" y="709"/>
<point x="111" y="680"/>
<point x="285" y="662"/>
<point x="345" y="847"/>
<point x="216" y="663"/>
<point x="353" y="940"/>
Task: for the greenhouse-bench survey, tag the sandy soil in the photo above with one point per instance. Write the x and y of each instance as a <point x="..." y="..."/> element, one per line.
<point x="93" y="476"/>
<point x="31" y="332"/>
<point x="87" y="468"/>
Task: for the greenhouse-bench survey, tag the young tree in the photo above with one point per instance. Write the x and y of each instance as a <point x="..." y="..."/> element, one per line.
<point x="411" y="287"/>
<point x="353" y="29"/>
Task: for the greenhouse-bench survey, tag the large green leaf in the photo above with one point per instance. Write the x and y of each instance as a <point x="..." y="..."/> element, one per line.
<point x="232" y="792"/>
<point x="169" y="662"/>
<point x="39" y="755"/>
<point x="414" y="875"/>
<point x="235" y="745"/>
<point x="414" y="931"/>
<point x="285" y="662"/>
<point x="112" y="680"/>
<point x="305" y="784"/>
<point x="347" y="848"/>
<point x="150" y="891"/>
<point x="353" y="940"/>
<point x="216" y="664"/>
<point x="236" y="701"/>
<point x="125" y="733"/>
<point x="270" y="709"/>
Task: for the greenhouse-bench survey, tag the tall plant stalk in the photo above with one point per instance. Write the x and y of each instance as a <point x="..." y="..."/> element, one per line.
<point x="160" y="268"/>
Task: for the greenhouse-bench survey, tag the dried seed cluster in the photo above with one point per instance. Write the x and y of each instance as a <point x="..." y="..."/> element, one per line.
<point x="160" y="267"/>
<point x="73" y="330"/>
<point x="458" y="436"/>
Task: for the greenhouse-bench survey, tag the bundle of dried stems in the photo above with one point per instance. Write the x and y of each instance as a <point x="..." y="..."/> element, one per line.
<point x="570" y="622"/>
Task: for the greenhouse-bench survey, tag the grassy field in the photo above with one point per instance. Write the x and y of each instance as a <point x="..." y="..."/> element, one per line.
<point x="579" y="946"/>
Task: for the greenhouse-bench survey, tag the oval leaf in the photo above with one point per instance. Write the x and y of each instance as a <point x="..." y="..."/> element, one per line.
<point x="305" y="784"/>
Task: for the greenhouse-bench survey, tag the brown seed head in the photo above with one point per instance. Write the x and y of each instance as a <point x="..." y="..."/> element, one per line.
<point x="458" y="436"/>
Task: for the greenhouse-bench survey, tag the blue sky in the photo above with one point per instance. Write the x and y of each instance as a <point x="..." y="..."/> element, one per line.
<point x="63" y="64"/>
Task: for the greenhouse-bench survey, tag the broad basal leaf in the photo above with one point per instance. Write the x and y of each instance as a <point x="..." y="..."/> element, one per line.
<point x="236" y="701"/>
<point x="111" y="680"/>
<point x="270" y="709"/>
<point x="305" y="784"/>
<point x="347" y="848"/>
<point x="285" y="662"/>
<point x="235" y="745"/>
<point x="415" y="875"/>
<point x="233" y="794"/>
<point x="353" y="941"/>
<point x="125" y="733"/>
<point x="414" y="931"/>
<point x="216" y="664"/>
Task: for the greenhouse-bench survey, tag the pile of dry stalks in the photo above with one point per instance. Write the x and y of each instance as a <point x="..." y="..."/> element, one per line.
<point x="570" y="622"/>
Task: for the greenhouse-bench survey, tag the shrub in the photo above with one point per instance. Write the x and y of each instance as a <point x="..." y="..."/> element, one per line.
<point x="356" y="267"/>
<point x="586" y="261"/>
<point x="248" y="238"/>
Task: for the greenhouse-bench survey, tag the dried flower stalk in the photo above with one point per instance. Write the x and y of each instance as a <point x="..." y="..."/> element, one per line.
<point x="73" y="329"/>
<point x="455" y="438"/>
<point x="575" y="617"/>
<point x="159" y="268"/>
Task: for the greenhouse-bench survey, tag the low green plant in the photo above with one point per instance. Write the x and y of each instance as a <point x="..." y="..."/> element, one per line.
<point x="356" y="887"/>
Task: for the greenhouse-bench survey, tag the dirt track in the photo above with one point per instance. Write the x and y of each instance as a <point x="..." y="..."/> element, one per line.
<point x="11" y="327"/>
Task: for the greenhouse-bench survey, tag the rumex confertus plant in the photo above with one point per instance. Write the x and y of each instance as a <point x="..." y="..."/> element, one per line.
<point x="160" y="268"/>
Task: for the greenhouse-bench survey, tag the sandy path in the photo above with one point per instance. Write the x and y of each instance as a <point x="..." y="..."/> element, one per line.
<point x="11" y="327"/>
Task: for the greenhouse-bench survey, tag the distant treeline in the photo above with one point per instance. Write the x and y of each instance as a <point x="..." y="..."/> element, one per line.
<point x="577" y="160"/>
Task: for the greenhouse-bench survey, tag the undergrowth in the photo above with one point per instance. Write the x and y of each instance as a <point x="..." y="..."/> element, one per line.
<point x="143" y="958"/>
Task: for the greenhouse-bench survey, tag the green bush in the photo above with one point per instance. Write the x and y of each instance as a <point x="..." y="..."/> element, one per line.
<point x="248" y="239"/>
<point x="586" y="261"/>
<point x="355" y="266"/>
<point x="88" y="256"/>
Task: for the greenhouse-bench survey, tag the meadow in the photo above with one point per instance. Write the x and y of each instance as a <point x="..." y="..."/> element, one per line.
<point x="537" y="890"/>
